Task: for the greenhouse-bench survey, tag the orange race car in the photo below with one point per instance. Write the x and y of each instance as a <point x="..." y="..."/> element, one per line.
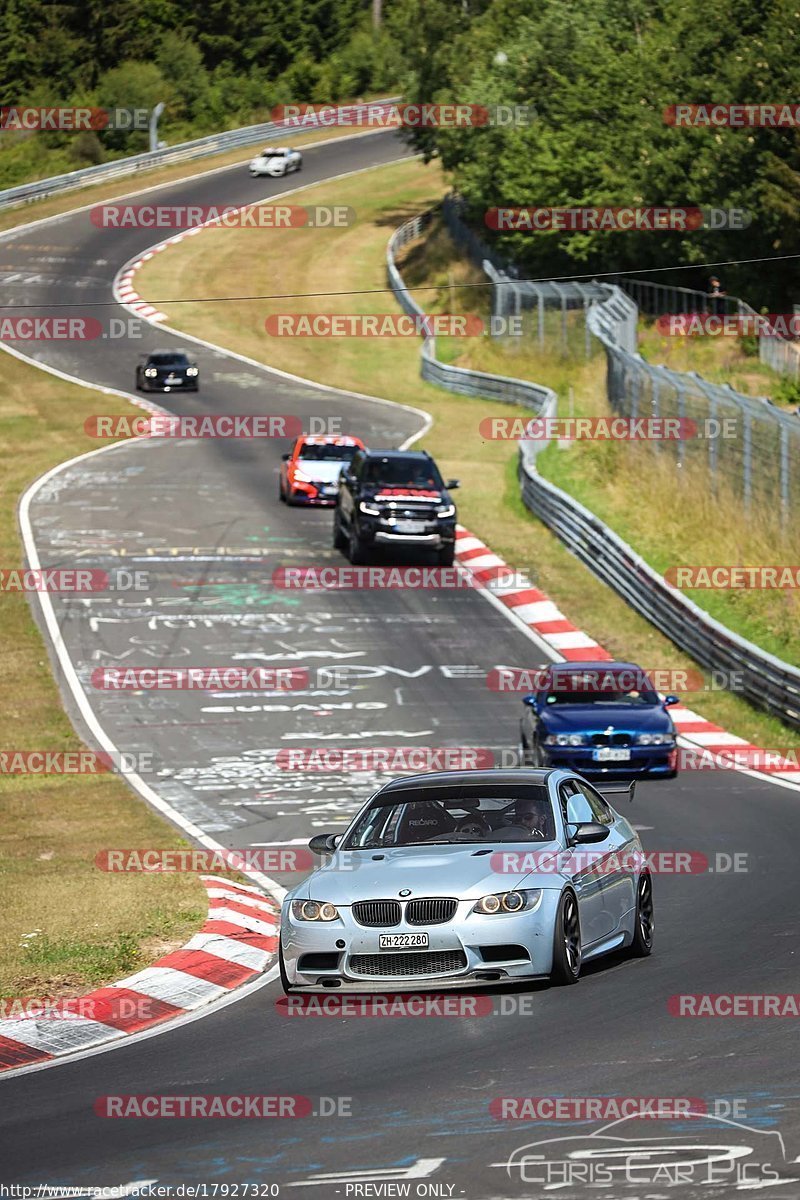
<point x="310" y="471"/>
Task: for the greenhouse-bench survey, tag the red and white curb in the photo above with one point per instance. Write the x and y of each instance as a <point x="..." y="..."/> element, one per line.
<point x="237" y="942"/>
<point x="536" y="610"/>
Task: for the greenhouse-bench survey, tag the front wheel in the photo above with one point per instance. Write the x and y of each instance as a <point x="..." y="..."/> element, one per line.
<point x="447" y="555"/>
<point x="567" y="942"/>
<point x="644" y="926"/>
<point x="339" y="540"/>
<point x="356" y="552"/>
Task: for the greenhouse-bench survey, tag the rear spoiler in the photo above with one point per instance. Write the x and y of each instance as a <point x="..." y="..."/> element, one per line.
<point x="630" y="788"/>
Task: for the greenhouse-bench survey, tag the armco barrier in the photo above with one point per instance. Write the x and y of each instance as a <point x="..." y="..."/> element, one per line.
<point x="502" y="388"/>
<point x="766" y="681"/>
<point x="215" y="143"/>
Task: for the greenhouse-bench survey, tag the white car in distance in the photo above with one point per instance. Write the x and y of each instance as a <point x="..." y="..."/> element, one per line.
<point x="276" y="161"/>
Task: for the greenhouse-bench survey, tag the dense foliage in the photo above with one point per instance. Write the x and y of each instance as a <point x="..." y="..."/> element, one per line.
<point x="600" y="74"/>
<point x="216" y="64"/>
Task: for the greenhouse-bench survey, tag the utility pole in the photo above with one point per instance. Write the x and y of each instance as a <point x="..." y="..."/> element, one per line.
<point x="377" y="14"/>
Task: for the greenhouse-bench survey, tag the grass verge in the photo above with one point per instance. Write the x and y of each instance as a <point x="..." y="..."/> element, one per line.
<point x="66" y="925"/>
<point x="352" y="260"/>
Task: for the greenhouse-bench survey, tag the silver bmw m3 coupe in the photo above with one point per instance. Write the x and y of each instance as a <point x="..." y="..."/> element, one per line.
<point x="465" y="878"/>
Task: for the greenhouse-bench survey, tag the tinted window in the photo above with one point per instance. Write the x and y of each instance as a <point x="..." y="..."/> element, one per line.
<point x="404" y="472"/>
<point x="579" y="803"/>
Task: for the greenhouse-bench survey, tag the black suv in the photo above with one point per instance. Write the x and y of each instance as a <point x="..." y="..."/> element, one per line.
<point x="167" y="371"/>
<point x="394" y="498"/>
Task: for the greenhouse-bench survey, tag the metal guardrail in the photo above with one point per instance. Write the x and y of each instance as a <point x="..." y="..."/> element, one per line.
<point x="215" y="143"/>
<point x="503" y="388"/>
<point x="766" y="681"/>
<point x="756" y="461"/>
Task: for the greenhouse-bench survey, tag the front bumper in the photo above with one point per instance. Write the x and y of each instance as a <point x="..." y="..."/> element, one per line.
<point x="312" y="493"/>
<point x="479" y="951"/>
<point x="435" y="536"/>
<point x="644" y="760"/>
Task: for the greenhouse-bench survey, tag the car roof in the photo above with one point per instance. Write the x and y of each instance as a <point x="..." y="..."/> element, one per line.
<point x="514" y="776"/>
<point x="592" y="665"/>
<point x="329" y="439"/>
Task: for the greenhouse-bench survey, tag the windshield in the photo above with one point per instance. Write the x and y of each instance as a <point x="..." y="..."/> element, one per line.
<point x="169" y="360"/>
<point x="270" y="153"/>
<point x="627" y="696"/>
<point x="403" y="472"/>
<point x="453" y="815"/>
<point x="326" y="453"/>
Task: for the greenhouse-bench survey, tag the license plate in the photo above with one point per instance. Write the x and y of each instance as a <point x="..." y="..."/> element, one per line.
<point x="173" y="379"/>
<point x="609" y="754"/>
<point x="402" y="941"/>
<point x="410" y="526"/>
<point x="329" y="491"/>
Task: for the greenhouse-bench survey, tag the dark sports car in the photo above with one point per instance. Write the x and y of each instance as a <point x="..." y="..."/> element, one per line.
<point x="599" y="718"/>
<point x="167" y="371"/>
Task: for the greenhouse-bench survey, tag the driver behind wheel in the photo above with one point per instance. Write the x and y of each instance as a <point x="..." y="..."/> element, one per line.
<point x="535" y="816"/>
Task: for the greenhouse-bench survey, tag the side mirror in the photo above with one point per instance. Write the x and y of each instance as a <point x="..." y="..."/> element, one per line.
<point x="668" y="700"/>
<point x="588" y="832"/>
<point x="285" y="457"/>
<point x="324" y="843"/>
<point x="452" y="483"/>
<point x="531" y="700"/>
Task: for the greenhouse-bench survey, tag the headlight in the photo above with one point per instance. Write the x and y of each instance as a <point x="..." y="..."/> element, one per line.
<point x="192" y="371"/>
<point x="150" y="372"/>
<point x="449" y="511"/>
<point x="565" y="739"/>
<point x="312" y="910"/>
<point x="508" y="902"/>
<point x="369" y="509"/>
<point x="655" y="739"/>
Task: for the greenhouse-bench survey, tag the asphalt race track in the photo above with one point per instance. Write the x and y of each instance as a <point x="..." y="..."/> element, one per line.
<point x="388" y="668"/>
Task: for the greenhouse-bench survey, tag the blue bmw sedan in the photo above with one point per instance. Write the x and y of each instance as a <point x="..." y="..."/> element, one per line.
<point x="599" y="718"/>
